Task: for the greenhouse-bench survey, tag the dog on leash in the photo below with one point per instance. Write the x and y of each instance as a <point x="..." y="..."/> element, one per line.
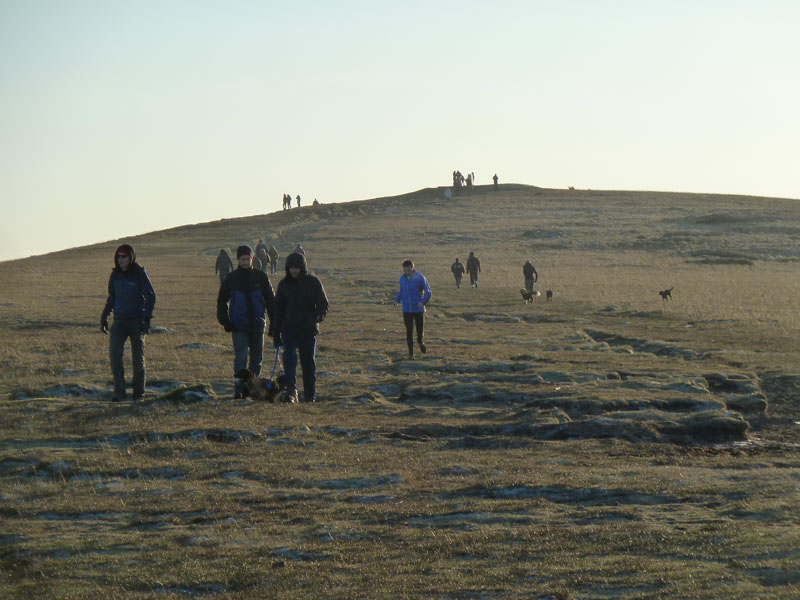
<point x="549" y="295"/>
<point x="529" y="297"/>
<point x="259" y="388"/>
<point x="666" y="294"/>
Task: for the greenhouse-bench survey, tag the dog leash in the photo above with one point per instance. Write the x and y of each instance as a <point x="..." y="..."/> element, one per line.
<point x="274" y="365"/>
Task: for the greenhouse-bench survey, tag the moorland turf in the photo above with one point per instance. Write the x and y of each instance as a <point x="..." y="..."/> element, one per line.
<point x="607" y="444"/>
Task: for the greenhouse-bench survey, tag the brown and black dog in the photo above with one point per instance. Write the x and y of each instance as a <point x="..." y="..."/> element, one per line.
<point x="549" y="294"/>
<point x="264" y="390"/>
<point x="529" y="297"/>
<point x="666" y="294"/>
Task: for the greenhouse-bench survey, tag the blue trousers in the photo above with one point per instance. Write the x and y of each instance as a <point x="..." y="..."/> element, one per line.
<point x="306" y="346"/>
<point x="244" y="343"/>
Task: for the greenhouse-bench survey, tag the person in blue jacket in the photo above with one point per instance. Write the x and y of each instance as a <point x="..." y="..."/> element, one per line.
<point x="131" y="298"/>
<point x="245" y="300"/>
<point x="414" y="294"/>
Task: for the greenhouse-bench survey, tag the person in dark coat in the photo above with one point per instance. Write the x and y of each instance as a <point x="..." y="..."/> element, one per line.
<point x="261" y="261"/>
<point x="224" y="265"/>
<point x="530" y="274"/>
<point x="245" y="300"/>
<point x="473" y="268"/>
<point x="458" y="271"/>
<point x="273" y="256"/>
<point x="131" y="298"/>
<point x="300" y="306"/>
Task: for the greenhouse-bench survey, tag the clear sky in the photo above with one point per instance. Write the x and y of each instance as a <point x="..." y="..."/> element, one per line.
<point x="123" y="117"/>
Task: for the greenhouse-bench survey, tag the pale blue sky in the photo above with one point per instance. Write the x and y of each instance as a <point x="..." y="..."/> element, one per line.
<point x="118" y="118"/>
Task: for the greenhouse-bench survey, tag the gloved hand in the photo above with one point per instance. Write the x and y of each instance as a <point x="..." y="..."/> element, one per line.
<point x="145" y="328"/>
<point x="320" y="318"/>
<point x="227" y="326"/>
<point x="104" y="325"/>
<point x="276" y="339"/>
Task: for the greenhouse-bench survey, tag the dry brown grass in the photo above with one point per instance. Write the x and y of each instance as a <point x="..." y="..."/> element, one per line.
<point x="448" y="477"/>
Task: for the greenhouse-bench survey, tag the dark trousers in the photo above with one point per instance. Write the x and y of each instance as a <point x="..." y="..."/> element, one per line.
<point x="244" y="343"/>
<point x="529" y="285"/>
<point x="306" y="346"/>
<point x="410" y="319"/>
<point x="121" y="330"/>
<point x="458" y="282"/>
<point x="273" y="267"/>
<point x="473" y="278"/>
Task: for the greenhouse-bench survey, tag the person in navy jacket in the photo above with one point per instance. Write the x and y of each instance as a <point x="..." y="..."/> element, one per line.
<point x="300" y="306"/>
<point x="414" y="294"/>
<point x="245" y="300"/>
<point x="132" y="299"/>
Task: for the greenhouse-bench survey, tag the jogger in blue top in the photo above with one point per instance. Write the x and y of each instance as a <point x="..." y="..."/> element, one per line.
<point x="414" y="294"/>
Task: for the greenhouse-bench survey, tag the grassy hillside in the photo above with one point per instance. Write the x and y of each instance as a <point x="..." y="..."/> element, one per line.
<point x="607" y="444"/>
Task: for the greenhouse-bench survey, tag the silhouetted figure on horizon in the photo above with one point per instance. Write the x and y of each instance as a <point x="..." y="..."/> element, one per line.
<point x="495" y="179"/>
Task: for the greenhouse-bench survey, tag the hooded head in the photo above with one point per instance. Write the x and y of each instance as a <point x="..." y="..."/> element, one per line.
<point x="296" y="260"/>
<point x="124" y="249"/>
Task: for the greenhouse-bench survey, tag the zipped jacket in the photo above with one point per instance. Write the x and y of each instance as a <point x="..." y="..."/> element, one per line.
<point x="413" y="289"/>
<point x="130" y="294"/>
<point x="245" y="300"/>
<point x="300" y="303"/>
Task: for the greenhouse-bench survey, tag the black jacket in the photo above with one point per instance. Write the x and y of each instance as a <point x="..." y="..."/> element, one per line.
<point x="529" y="271"/>
<point x="300" y="304"/>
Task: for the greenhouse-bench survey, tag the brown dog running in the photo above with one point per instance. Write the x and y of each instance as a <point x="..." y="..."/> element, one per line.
<point x="666" y="294"/>
<point x="549" y="294"/>
<point x="264" y="390"/>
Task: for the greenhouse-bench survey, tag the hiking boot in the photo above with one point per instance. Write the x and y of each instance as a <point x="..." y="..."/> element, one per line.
<point x="139" y="398"/>
<point x="423" y="348"/>
<point x="116" y="398"/>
